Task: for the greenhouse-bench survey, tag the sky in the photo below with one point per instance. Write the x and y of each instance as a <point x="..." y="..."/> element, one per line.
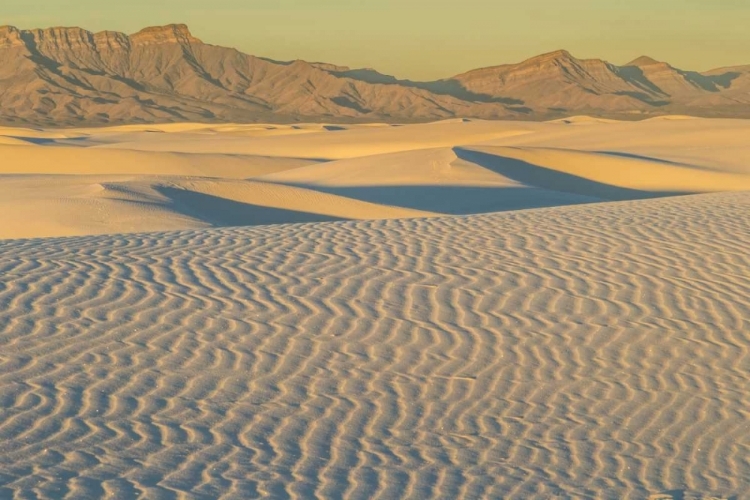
<point x="427" y="39"/>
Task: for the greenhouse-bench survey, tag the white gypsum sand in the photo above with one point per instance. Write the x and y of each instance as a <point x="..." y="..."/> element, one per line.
<point x="191" y="176"/>
<point x="590" y="349"/>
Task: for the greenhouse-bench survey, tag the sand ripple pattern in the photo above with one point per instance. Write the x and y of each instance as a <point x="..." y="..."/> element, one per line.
<point x="597" y="351"/>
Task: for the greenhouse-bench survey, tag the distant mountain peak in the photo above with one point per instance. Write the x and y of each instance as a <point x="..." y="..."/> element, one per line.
<point x="644" y="61"/>
<point x="60" y="37"/>
<point x="171" y="33"/>
<point x="10" y="36"/>
<point x="556" y="55"/>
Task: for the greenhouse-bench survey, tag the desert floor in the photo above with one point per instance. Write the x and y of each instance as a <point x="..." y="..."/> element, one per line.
<point x="528" y="311"/>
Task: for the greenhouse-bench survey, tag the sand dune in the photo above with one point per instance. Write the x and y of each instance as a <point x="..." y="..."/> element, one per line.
<point x="92" y="161"/>
<point x="333" y="144"/>
<point x="566" y="170"/>
<point x="435" y="180"/>
<point x="302" y="205"/>
<point x="48" y="206"/>
<point x="191" y="176"/>
<point x="44" y="205"/>
<point x="595" y="351"/>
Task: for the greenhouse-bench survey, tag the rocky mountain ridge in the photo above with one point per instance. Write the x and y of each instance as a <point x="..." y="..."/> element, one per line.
<point x="70" y="76"/>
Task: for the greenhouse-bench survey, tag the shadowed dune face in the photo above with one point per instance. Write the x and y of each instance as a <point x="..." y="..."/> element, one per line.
<point x="595" y="351"/>
<point x="609" y="176"/>
<point x="460" y="200"/>
<point x="192" y="176"/>
<point x="218" y="211"/>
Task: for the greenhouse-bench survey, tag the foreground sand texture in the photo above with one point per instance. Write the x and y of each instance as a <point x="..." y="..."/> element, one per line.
<point x="592" y="351"/>
<point x="195" y="176"/>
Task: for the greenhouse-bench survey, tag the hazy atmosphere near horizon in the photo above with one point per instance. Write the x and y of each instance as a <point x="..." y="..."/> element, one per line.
<point x="240" y="259"/>
<point x="427" y="39"/>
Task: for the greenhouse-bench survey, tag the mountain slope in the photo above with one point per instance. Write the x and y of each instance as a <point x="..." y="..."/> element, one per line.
<point x="70" y="76"/>
<point x="559" y="82"/>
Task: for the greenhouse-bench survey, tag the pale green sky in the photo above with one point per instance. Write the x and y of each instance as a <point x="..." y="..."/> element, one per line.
<point x="427" y="39"/>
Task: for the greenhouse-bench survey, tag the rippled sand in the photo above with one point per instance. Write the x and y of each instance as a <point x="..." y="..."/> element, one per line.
<point x="591" y="349"/>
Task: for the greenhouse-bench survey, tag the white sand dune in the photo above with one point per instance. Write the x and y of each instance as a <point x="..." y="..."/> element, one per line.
<point x="593" y="351"/>
<point x="572" y="170"/>
<point x="331" y="142"/>
<point x="443" y="181"/>
<point x="192" y="176"/>
<point x="43" y="205"/>
<point x="48" y="206"/>
<point x="58" y="160"/>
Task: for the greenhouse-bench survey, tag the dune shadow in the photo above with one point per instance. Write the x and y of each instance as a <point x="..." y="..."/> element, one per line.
<point x="37" y="141"/>
<point x="44" y="141"/>
<point x="223" y="212"/>
<point x="537" y="187"/>
<point x="456" y="200"/>
<point x="546" y="178"/>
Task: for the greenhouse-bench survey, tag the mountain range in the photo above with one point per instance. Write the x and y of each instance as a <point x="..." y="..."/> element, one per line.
<point x="70" y="76"/>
